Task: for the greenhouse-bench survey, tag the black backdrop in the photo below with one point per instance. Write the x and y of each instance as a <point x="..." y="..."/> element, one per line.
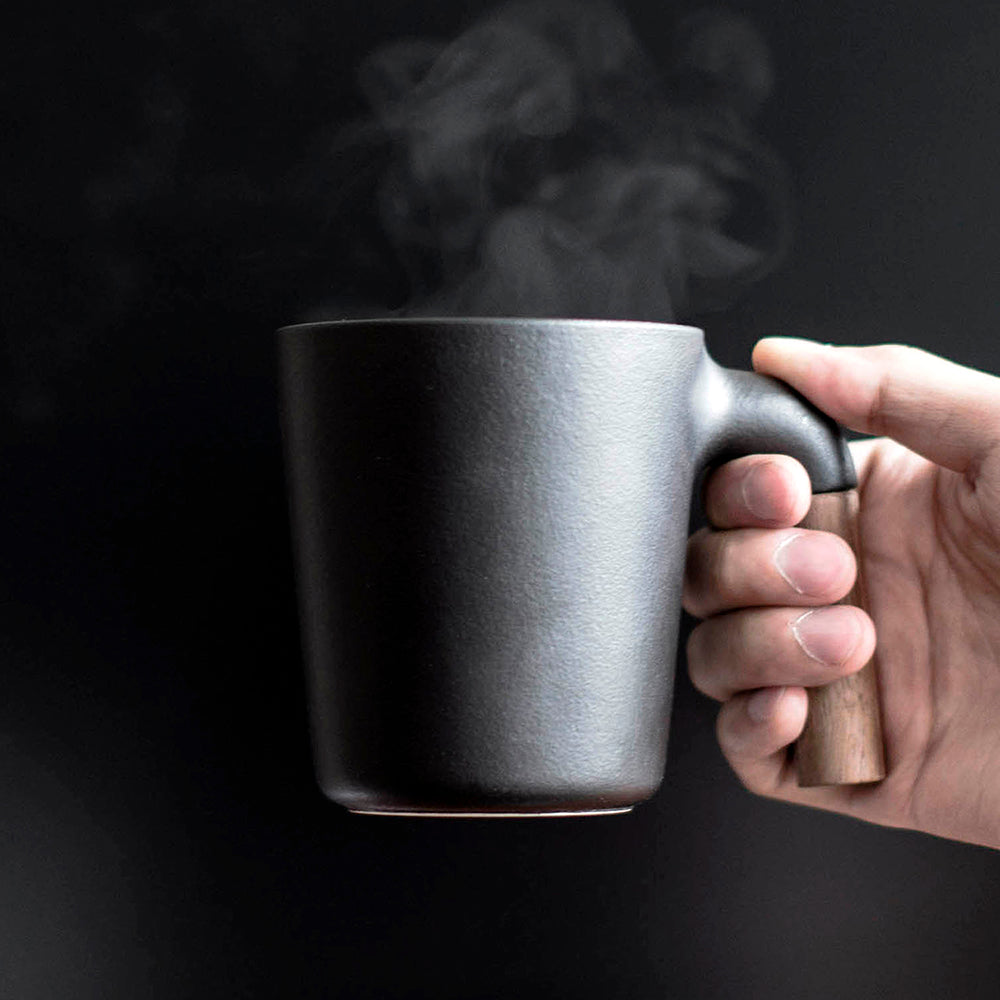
<point x="160" y="832"/>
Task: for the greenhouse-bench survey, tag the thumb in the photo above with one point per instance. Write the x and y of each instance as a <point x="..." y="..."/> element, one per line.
<point x="947" y="413"/>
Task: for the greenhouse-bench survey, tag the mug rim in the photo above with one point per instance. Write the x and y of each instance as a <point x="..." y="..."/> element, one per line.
<point x="466" y="321"/>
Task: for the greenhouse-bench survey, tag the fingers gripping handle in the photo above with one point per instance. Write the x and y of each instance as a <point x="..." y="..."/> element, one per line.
<point x="842" y="741"/>
<point x="748" y="413"/>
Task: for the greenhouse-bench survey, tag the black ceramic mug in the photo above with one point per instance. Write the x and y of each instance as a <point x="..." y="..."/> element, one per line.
<point x="490" y="519"/>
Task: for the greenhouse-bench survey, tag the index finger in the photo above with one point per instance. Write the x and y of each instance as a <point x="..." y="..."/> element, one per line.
<point x="939" y="409"/>
<point x="757" y="491"/>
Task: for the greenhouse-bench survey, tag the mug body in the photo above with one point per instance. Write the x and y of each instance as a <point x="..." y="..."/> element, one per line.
<point x="490" y="519"/>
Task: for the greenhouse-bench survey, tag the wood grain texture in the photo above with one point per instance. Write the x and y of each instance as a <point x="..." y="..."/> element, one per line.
<point x="842" y="741"/>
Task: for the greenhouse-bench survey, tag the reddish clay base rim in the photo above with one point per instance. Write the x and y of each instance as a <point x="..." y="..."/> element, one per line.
<point x="555" y="814"/>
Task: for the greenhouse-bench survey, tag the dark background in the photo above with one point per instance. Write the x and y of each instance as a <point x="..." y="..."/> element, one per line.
<point x="160" y="832"/>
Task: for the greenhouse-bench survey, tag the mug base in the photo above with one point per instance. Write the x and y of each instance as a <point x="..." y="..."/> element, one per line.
<point x="469" y="814"/>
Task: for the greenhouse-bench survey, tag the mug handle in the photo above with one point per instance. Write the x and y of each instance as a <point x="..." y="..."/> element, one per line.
<point x="742" y="413"/>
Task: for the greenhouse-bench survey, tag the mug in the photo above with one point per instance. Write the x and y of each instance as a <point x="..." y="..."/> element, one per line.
<point x="490" y="520"/>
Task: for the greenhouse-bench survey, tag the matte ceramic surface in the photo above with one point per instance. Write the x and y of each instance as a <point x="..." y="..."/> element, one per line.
<point x="491" y="521"/>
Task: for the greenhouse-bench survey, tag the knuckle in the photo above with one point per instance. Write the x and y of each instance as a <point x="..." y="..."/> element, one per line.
<point x="894" y="351"/>
<point x="891" y="359"/>
<point x="895" y="355"/>
<point x="878" y="405"/>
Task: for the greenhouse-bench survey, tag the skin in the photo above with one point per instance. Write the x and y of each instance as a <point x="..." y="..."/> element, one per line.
<point x="930" y="551"/>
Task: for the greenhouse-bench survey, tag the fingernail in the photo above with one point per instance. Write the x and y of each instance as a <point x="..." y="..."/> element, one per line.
<point x="800" y="344"/>
<point x="792" y="355"/>
<point x="752" y="498"/>
<point x="762" y="704"/>
<point x="828" y="635"/>
<point x="807" y="564"/>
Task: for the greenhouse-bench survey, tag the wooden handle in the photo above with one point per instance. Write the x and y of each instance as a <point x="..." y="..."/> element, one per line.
<point x="842" y="741"/>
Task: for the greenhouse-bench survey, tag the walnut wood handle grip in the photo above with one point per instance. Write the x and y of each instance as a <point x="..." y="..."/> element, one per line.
<point x="842" y="740"/>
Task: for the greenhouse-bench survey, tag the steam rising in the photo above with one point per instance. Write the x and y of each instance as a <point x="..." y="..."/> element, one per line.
<point x="542" y="164"/>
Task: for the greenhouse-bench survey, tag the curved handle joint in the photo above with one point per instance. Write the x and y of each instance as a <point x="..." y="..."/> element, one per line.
<point x="742" y="413"/>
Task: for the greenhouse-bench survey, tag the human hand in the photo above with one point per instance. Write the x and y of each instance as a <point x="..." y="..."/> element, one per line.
<point x="929" y="547"/>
